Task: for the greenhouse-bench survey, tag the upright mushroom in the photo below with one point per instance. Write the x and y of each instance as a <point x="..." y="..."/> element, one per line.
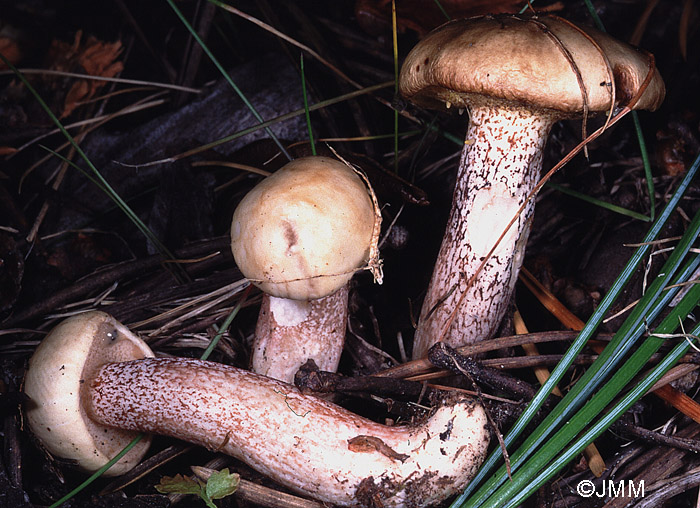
<point x="91" y="377"/>
<point x="300" y="235"/>
<point x="516" y="75"/>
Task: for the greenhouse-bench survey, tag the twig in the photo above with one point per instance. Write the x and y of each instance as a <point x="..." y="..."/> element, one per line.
<point x="692" y="445"/>
<point x="441" y="355"/>
<point x="423" y="365"/>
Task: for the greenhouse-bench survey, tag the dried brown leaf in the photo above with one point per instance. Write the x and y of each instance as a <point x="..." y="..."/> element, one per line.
<point x="91" y="56"/>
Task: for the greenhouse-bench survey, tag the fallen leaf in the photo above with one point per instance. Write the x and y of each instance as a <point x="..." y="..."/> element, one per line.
<point x="218" y="485"/>
<point x="179" y="484"/>
<point x="92" y="57"/>
<point x="222" y="483"/>
<point x="10" y="50"/>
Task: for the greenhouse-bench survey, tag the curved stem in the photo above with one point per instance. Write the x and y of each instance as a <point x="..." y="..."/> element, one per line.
<point x="298" y="440"/>
<point x="500" y="166"/>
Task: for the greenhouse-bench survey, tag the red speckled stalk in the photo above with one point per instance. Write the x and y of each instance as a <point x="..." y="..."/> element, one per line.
<point x="500" y="166"/>
<point x="303" y="442"/>
<point x="290" y="332"/>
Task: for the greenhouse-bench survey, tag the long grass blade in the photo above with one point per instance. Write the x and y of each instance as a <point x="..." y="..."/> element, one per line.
<point x="290" y="40"/>
<point x="97" y="176"/>
<point x="576" y="347"/>
<point x="597" y="202"/>
<point x="118" y="201"/>
<point x="226" y="76"/>
<point x="524" y="484"/>
<point x="604" y="423"/>
<point x="225" y="325"/>
<point x="306" y="105"/>
<point x="442" y="10"/>
<point x="97" y="473"/>
<point x="633" y="328"/>
<point x="646" y="163"/>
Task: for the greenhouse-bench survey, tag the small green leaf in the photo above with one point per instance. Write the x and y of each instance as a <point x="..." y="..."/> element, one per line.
<point x="222" y="483"/>
<point x="179" y="484"/>
<point x="219" y="485"/>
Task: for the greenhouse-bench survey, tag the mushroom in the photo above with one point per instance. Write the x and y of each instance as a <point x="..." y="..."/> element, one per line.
<point x="83" y="386"/>
<point x="517" y="76"/>
<point x="55" y="384"/>
<point x="300" y="235"/>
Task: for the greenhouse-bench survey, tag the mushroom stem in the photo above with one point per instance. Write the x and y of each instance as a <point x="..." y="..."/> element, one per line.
<point x="301" y="234"/>
<point x="499" y="168"/>
<point x="301" y="441"/>
<point x="290" y="332"/>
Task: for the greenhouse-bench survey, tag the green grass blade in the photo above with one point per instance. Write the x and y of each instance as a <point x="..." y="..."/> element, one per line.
<point x="608" y="206"/>
<point x="634" y="327"/>
<point x="527" y="480"/>
<point x="306" y="105"/>
<point x="97" y="177"/>
<point x="118" y="201"/>
<point x="226" y="76"/>
<point x="575" y="348"/>
<point x="442" y="10"/>
<point x="604" y="423"/>
<point x="97" y="473"/>
<point x="596" y="19"/>
<point x="646" y="163"/>
<point x="225" y="325"/>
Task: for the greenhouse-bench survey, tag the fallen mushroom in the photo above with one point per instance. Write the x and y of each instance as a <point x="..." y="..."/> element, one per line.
<point x="82" y="388"/>
<point x="516" y="75"/>
<point x="55" y="384"/>
<point x="300" y="235"/>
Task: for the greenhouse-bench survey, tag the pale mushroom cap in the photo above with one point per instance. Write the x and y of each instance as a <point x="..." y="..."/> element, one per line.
<point x="303" y="231"/>
<point x="55" y="382"/>
<point x="523" y="60"/>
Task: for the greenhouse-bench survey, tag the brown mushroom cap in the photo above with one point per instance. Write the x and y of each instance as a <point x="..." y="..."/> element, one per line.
<point x="68" y="356"/>
<point x="527" y="60"/>
<point x="303" y="231"/>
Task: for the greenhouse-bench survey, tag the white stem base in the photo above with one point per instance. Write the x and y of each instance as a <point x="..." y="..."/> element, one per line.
<point x="500" y="166"/>
<point x="290" y="332"/>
